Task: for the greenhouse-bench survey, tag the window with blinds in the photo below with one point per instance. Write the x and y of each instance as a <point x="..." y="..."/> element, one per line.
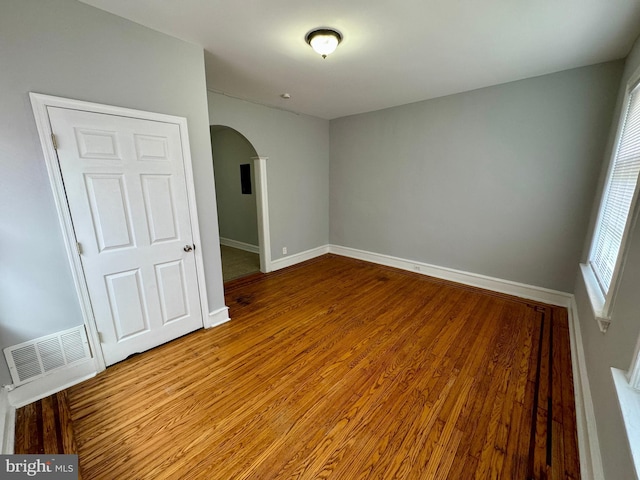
<point x="618" y="198"/>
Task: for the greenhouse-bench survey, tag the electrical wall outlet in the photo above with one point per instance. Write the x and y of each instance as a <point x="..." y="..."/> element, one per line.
<point x="284" y="250"/>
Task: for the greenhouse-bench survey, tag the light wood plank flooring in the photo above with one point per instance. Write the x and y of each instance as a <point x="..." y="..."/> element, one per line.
<point x="342" y="369"/>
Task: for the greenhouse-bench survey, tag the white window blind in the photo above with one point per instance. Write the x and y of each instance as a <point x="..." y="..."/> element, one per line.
<point x="618" y="196"/>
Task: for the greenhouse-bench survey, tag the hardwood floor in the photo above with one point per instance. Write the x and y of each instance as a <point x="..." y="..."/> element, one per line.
<point x="45" y="427"/>
<point x="342" y="369"/>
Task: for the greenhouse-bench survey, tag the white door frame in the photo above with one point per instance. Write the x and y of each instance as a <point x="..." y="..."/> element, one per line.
<point x="262" y="205"/>
<point x="40" y="102"/>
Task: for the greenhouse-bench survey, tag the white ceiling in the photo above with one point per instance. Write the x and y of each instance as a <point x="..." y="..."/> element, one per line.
<point x="393" y="52"/>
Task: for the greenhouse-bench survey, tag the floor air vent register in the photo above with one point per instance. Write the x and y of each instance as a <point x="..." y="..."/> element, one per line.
<point x="31" y="360"/>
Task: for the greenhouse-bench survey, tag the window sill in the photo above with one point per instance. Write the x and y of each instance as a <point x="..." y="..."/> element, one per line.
<point x="595" y="297"/>
<point x="629" y="400"/>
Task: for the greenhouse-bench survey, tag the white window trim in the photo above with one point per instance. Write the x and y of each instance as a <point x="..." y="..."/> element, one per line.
<point x="629" y="401"/>
<point x="633" y="375"/>
<point x="627" y="384"/>
<point x="601" y="304"/>
<point x="595" y="296"/>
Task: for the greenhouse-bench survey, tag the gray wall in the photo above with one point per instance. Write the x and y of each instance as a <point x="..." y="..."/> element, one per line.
<point x="237" y="214"/>
<point x="297" y="169"/>
<point x="68" y="49"/>
<point x="616" y="347"/>
<point x="497" y="181"/>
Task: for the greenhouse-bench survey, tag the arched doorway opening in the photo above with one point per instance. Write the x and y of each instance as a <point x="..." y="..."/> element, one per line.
<point x="240" y="185"/>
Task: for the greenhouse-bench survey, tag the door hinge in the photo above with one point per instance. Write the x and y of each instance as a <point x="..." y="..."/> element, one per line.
<point x="100" y="337"/>
<point x="79" y="248"/>
<point x="54" y="141"/>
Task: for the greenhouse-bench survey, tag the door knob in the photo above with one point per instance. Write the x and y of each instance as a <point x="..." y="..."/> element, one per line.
<point x="187" y="248"/>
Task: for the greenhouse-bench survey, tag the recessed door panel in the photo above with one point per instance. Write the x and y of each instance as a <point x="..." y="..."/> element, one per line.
<point x="159" y="207"/>
<point x="172" y="289"/>
<point x="127" y="302"/>
<point x="152" y="148"/>
<point x="96" y="144"/>
<point x="110" y="218"/>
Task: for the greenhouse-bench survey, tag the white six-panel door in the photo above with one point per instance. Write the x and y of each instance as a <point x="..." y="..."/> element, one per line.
<point x="125" y="184"/>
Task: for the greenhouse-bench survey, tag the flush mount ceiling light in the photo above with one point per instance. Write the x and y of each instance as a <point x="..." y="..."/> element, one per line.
<point x="324" y="40"/>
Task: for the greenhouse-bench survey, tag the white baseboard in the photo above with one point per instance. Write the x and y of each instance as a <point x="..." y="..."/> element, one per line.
<point x="7" y="423"/>
<point x="531" y="292"/>
<point x="539" y="294"/>
<point x="588" y="443"/>
<point x="218" y="317"/>
<point x="247" y="247"/>
<point x="299" y="257"/>
<point x="53" y="383"/>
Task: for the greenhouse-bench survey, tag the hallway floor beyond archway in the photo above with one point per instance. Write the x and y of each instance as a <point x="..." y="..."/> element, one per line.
<point x="238" y="263"/>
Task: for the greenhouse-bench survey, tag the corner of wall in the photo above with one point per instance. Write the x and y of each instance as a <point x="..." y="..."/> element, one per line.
<point x="7" y="423"/>
<point x="217" y="317"/>
<point x="588" y="444"/>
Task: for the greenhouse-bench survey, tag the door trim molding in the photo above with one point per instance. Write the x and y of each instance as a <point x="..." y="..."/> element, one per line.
<point x="40" y="103"/>
<point x="262" y="205"/>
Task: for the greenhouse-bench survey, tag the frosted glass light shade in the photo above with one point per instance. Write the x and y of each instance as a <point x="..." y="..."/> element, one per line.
<point x="324" y="41"/>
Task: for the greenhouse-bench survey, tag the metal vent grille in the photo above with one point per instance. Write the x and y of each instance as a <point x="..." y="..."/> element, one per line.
<point x="73" y="345"/>
<point x="31" y="360"/>
<point x="26" y="362"/>
<point x="51" y="354"/>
